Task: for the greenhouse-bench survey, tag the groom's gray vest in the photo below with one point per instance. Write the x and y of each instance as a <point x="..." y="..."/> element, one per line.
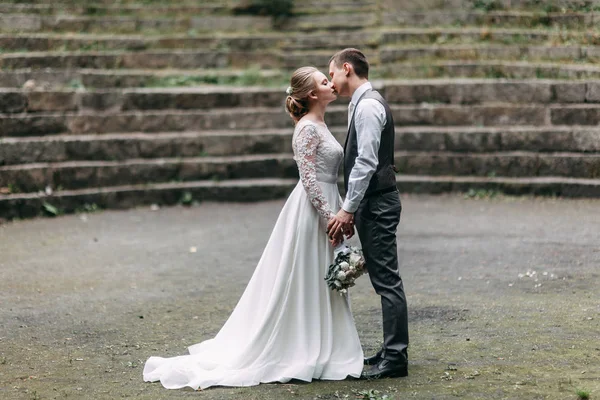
<point x="384" y="177"/>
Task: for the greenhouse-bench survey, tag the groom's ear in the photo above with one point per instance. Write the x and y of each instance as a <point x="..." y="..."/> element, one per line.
<point x="347" y="67"/>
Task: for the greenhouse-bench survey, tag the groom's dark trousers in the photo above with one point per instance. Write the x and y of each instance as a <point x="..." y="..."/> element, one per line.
<point x="376" y="220"/>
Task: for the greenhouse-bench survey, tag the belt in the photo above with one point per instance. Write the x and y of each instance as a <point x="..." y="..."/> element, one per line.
<point x="326" y="178"/>
<point x="382" y="191"/>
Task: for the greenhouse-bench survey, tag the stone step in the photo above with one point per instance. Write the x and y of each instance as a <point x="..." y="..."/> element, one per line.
<point x="124" y="146"/>
<point x="513" y="164"/>
<point x="84" y="174"/>
<point x="21" y="100"/>
<point x="131" y="24"/>
<point x="99" y="9"/>
<point x="487" y="34"/>
<point x="539" y="186"/>
<point x="274" y="58"/>
<point x="62" y="79"/>
<point x="439" y="91"/>
<point x="150" y="121"/>
<point x="165" y="58"/>
<point x="447" y="18"/>
<point x="500" y="114"/>
<point x="380" y="58"/>
<point x="73" y="3"/>
<point x="548" y="6"/>
<point x="184" y="9"/>
<point x="481" y="91"/>
<point x="24" y="22"/>
<point x="45" y="42"/>
<point x="192" y="59"/>
<point x="118" y="197"/>
<point x="531" y="53"/>
<point x="495" y="5"/>
<point x="458" y="139"/>
<point x="479" y="69"/>
<point x="187" y="59"/>
<point x="29" y="205"/>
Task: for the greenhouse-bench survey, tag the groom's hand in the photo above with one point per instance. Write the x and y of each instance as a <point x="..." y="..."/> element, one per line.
<point x="341" y="222"/>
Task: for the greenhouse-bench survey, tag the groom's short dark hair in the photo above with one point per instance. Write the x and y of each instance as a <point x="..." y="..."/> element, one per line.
<point x="354" y="57"/>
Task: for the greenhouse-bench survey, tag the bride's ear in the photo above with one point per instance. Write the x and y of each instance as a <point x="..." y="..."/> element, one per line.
<point x="312" y="95"/>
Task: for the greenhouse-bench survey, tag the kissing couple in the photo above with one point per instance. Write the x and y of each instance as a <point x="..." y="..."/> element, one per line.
<point x="288" y="324"/>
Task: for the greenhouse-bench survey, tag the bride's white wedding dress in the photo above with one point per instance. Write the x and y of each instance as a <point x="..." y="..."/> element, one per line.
<point x="288" y="324"/>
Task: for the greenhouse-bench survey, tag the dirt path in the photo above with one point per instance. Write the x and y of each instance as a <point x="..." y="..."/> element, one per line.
<point x="503" y="299"/>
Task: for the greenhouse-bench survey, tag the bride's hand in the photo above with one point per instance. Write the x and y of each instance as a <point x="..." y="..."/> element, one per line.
<point x="349" y="231"/>
<point x="335" y="237"/>
<point x="336" y="240"/>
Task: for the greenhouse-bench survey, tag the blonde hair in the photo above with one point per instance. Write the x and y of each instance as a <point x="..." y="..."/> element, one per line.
<point x="301" y="84"/>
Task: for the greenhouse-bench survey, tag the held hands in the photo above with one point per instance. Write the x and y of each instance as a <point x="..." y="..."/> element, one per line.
<point x="340" y="225"/>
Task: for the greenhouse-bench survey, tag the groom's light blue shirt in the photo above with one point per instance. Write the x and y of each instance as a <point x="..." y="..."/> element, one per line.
<point x="369" y="121"/>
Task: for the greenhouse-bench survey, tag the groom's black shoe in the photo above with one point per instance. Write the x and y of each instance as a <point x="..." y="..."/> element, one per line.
<point x="386" y="369"/>
<point x="373" y="359"/>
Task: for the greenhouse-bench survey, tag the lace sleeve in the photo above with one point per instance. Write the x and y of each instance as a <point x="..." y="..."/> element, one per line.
<point x="305" y="152"/>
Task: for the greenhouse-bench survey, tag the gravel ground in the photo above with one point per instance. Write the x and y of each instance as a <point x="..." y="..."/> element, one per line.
<point x="502" y="292"/>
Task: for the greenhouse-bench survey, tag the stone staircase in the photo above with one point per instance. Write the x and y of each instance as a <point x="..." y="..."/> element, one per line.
<point x="115" y="105"/>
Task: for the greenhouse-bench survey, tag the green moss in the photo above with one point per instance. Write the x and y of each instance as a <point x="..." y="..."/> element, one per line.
<point x="250" y="77"/>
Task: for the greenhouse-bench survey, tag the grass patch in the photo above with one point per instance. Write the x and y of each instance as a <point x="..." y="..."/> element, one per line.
<point x="50" y="210"/>
<point x="481" y="194"/>
<point x="582" y="394"/>
<point x="487" y="35"/>
<point x="487" y="5"/>
<point x="94" y="11"/>
<point x="186" y="199"/>
<point x="553" y="6"/>
<point x="9" y="50"/>
<point x="88" y="208"/>
<point x="75" y="84"/>
<point x="13" y="188"/>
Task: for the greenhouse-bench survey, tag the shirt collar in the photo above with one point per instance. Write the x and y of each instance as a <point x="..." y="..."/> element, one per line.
<point x="360" y="91"/>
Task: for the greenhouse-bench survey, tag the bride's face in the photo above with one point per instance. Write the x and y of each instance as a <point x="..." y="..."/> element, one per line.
<point x="323" y="88"/>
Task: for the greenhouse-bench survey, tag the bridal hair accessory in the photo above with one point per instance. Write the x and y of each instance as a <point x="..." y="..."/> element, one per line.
<point x="348" y="265"/>
<point x="289" y="90"/>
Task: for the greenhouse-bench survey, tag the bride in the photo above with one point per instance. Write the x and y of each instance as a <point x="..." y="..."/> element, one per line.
<point x="288" y="324"/>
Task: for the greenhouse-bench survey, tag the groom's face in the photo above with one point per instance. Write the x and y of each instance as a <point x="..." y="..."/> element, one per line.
<point x="339" y="79"/>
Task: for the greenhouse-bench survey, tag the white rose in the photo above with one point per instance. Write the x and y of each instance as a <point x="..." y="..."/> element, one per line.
<point x="344" y="265"/>
<point x="343" y="291"/>
<point x="337" y="284"/>
<point x="355" y="259"/>
<point x="341" y="276"/>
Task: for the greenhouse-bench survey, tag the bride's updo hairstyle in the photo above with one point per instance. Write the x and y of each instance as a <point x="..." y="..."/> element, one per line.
<point x="301" y="84"/>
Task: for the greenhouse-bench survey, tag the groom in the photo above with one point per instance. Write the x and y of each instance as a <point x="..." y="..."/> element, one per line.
<point x="373" y="204"/>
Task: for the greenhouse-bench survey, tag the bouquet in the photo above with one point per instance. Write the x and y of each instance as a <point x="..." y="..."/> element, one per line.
<point x="348" y="264"/>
